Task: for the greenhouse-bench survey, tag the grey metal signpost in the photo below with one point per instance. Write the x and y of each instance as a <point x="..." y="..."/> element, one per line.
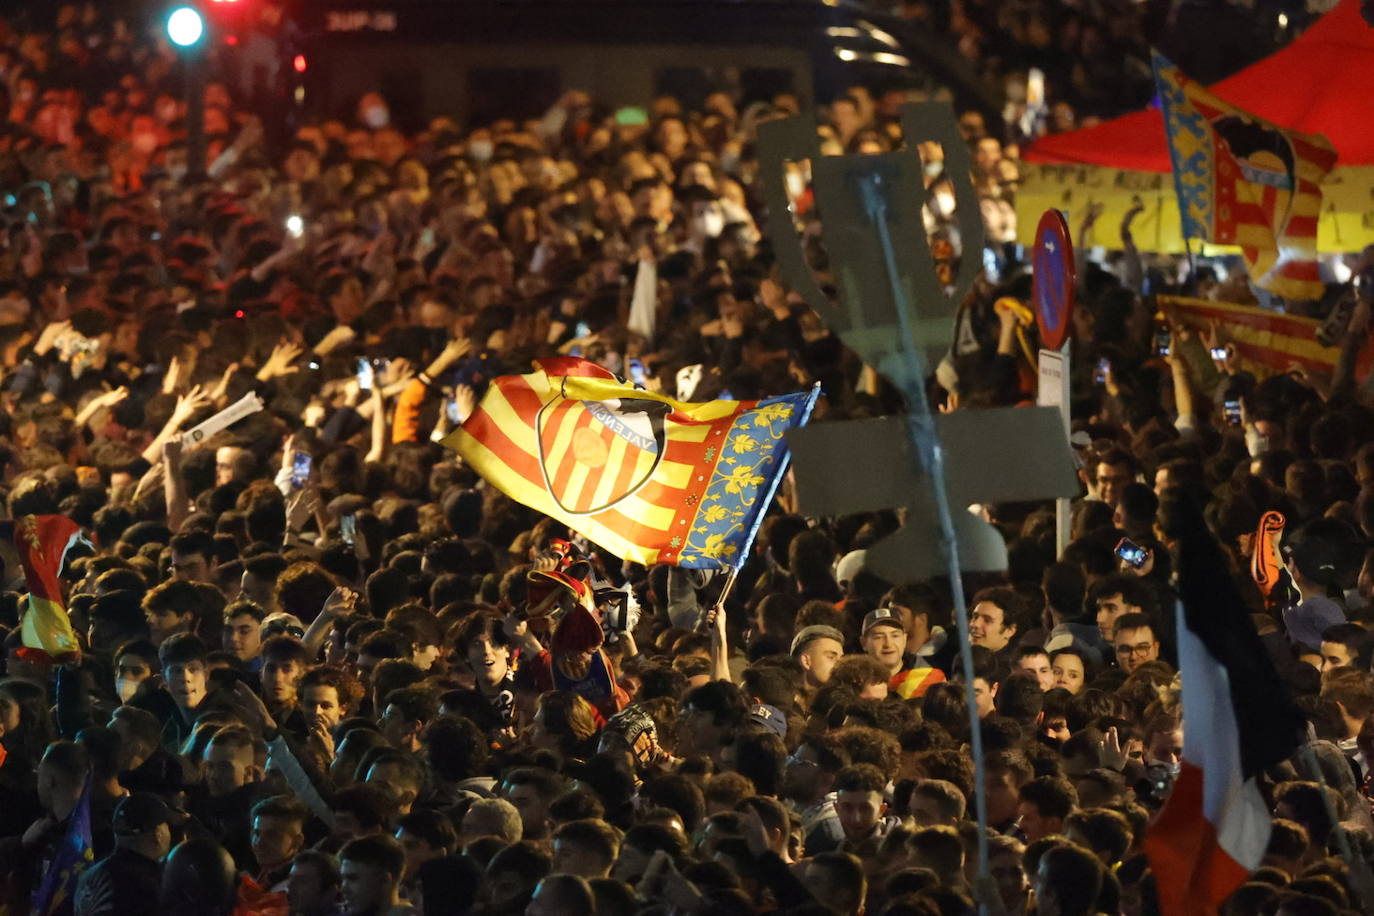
<point x="894" y="312"/>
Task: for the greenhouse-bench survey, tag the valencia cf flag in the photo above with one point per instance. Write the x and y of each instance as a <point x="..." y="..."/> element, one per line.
<point x="1237" y="721"/>
<point x="649" y="478"/>
<point x="1243" y="181"/>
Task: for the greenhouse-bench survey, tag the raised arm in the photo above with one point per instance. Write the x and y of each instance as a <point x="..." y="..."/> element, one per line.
<point x="187" y="405"/>
<point x="1134" y="270"/>
<point x="174" y="487"/>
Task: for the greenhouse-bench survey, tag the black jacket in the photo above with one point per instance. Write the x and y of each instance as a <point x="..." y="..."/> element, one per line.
<point x="124" y="882"/>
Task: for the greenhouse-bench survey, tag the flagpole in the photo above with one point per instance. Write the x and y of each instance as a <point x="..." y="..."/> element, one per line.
<point x="1192" y="268"/>
<point x="719" y="606"/>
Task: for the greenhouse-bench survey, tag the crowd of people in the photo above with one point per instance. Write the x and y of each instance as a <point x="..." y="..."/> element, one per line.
<point x="324" y="669"/>
<point x="1095" y="57"/>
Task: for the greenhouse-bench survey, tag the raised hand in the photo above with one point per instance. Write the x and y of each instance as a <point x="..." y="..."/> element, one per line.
<point x="1090" y="216"/>
<point x="319" y="734"/>
<point x="280" y="362"/>
<point x="457" y="349"/>
<point x="466" y="399"/>
<point x="1137" y="208"/>
<point x="397" y="372"/>
<point x="1113" y="756"/>
<point x="188" y="404"/>
<point x="111" y="398"/>
<point x="314" y="415"/>
<point x="49" y="336"/>
<point x="301" y="505"/>
<point x="222" y="387"/>
<point x="288" y="453"/>
<point x="1211" y="337"/>
<point x="340" y="601"/>
<point x="254" y="710"/>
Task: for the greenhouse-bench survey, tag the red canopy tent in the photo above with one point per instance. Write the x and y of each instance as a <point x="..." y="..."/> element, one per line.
<point x="1320" y="83"/>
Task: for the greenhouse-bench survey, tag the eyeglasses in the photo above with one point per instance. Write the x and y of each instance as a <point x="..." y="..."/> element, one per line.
<point x="794" y="761"/>
<point x="278" y="629"/>
<point x="1140" y="648"/>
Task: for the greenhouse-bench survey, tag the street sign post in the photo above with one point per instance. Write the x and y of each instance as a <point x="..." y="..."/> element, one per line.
<point x="1055" y="281"/>
<point x="1053" y="391"/>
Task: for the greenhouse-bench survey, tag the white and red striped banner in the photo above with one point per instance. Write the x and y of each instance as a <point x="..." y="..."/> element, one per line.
<point x="1214" y="828"/>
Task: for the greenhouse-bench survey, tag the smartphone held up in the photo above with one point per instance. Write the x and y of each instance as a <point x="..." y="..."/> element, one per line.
<point x="300" y="469"/>
<point x="1131" y="553"/>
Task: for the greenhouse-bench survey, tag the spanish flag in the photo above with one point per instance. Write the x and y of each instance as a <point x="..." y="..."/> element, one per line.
<point x="1238" y="720"/>
<point x="1243" y="181"/>
<point x="43" y="542"/>
<point x="914" y="682"/>
<point x="649" y="478"/>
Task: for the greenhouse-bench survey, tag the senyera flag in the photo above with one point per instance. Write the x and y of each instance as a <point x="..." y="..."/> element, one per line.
<point x="1237" y="721"/>
<point x="43" y="543"/>
<point x="1243" y="181"/>
<point x="649" y="478"/>
<point x="1266" y="341"/>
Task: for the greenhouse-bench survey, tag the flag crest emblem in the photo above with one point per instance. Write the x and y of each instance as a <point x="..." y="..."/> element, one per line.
<point x="596" y="454"/>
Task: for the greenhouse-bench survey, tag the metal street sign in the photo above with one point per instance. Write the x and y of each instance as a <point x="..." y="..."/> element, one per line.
<point x="1055" y="278"/>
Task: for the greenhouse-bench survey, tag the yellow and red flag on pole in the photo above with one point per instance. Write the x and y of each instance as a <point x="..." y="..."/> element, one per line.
<point x="42" y="542"/>
<point x="1244" y="181"/>
<point x="649" y="478"/>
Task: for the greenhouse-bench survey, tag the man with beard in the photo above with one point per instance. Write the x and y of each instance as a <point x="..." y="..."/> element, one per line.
<point x="884" y="639"/>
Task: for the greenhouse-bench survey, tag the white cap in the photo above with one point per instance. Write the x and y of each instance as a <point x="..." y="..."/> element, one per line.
<point x="848" y="566"/>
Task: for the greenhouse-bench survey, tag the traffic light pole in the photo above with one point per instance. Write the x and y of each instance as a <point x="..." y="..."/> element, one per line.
<point x="194" y="61"/>
<point x="186" y="31"/>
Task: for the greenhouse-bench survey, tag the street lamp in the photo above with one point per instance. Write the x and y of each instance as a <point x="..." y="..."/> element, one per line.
<point x="185" y="27"/>
<point x="186" y="30"/>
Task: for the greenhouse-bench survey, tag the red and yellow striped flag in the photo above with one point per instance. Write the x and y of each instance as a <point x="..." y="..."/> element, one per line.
<point x="42" y="542"/>
<point x="650" y="479"/>
<point x="1244" y="181"/>
<point x="914" y="682"/>
<point x="1267" y="342"/>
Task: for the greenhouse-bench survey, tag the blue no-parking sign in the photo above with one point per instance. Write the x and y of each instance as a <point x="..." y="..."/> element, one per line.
<point x="1053" y="267"/>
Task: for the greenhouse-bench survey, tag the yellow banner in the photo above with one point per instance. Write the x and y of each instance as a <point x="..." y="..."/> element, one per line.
<point x="1346" y="225"/>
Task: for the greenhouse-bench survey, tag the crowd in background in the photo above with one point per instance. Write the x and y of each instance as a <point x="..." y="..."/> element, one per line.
<point x="315" y="673"/>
